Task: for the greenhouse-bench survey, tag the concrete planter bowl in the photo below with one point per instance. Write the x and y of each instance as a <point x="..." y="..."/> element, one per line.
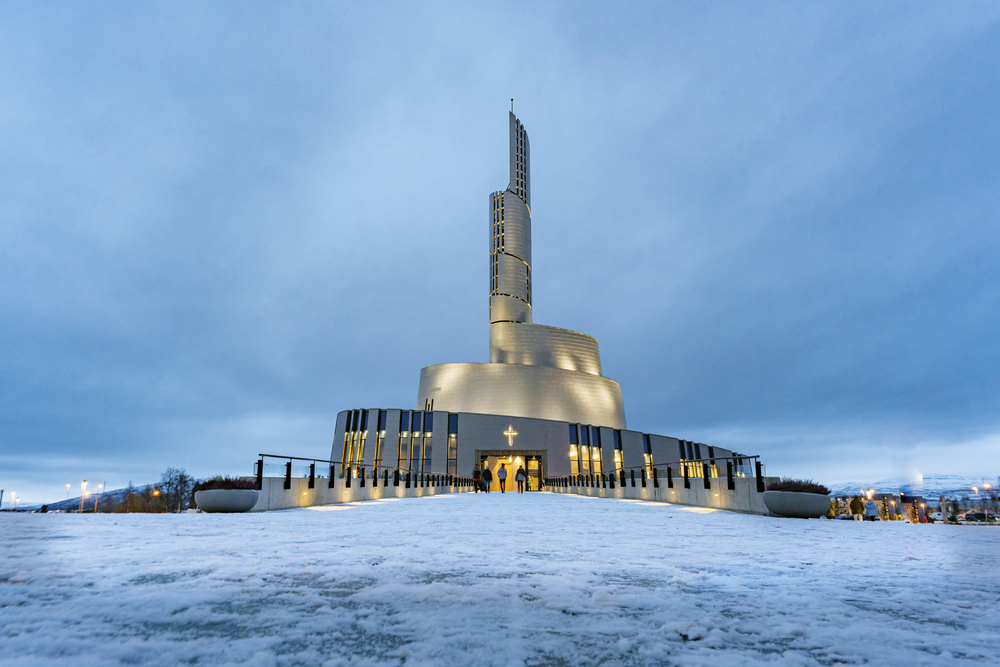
<point x="225" y="500"/>
<point x="794" y="504"/>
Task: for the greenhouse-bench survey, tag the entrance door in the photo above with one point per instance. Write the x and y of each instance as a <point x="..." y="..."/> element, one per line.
<point x="512" y="461"/>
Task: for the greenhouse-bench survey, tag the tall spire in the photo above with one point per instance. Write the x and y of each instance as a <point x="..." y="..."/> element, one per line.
<point x="520" y="163"/>
<point x="510" y="232"/>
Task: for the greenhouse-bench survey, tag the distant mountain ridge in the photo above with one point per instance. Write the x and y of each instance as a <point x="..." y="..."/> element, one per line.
<point x="931" y="486"/>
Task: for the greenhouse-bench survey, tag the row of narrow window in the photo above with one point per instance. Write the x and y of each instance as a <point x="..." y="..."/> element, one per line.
<point x="414" y="449"/>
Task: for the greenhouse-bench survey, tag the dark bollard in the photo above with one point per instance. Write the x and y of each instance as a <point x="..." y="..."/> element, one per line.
<point x="760" y="477"/>
<point x="632" y="473"/>
<point x="312" y="475"/>
<point x="730" y="482"/>
<point x="687" y="481"/>
<point x="611" y="480"/>
<point x="348" y="476"/>
<point x="361" y="476"/>
<point x="656" y="479"/>
<point x="288" y="475"/>
<point x="407" y="479"/>
<point x="260" y="474"/>
<point x="621" y="477"/>
<point x="670" y="477"/>
<point x="707" y="472"/>
<point x="644" y="478"/>
<point x="333" y="476"/>
<point x="604" y="480"/>
<point x="395" y="477"/>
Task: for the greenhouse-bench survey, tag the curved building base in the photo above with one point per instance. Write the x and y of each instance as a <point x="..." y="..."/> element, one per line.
<point x="537" y="392"/>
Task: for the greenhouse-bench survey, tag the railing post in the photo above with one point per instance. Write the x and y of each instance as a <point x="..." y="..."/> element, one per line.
<point x="348" y="476"/>
<point x="611" y="480"/>
<point x="395" y="477"/>
<point x="670" y="477"/>
<point x="312" y="475"/>
<point x="760" y="476"/>
<point x="687" y="479"/>
<point x="407" y="479"/>
<point x="333" y="476"/>
<point x="730" y="482"/>
<point x="260" y="474"/>
<point x="288" y="475"/>
<point x="706" y="471"/>
<point x="656" y="479"/>
<point x="621" y="478"/>
<point x="644" y="478"/>
<point x="361" y="475"/>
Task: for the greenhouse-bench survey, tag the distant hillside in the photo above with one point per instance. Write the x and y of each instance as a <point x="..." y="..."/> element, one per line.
<point x="117" y="495"/>
<point x="931" y="486"/>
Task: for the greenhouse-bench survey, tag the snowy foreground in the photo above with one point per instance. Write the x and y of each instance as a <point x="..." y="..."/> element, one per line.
<point x="536" y="579"/>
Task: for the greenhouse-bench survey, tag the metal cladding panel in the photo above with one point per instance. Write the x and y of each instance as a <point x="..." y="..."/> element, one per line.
<point x="391" y="456"/>
<point x="664" y="450"/>
<point x="537" y="345"/>
<point x="338" y="435"/>
<point x="536" y="392"/>
<point x="507" y="308"/>
<point x="439" y="453"/>
<point x="516" y="227"/>
<point x="512" y="276"/>
<point x="632" y="450"/>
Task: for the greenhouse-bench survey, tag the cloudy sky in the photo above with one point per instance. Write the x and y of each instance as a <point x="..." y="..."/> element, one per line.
<point x="222" y="223"/>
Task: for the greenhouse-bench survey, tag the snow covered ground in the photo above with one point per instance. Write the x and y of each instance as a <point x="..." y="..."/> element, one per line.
<point x="535" y="579"/>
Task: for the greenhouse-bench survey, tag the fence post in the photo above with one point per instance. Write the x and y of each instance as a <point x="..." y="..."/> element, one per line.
<point x="730" y="482"/>
<point x="288" y="475"/>
<point x="395" y="477"/>
<point x="644" y="478"/>
<point x="348" y="476"/>
<point x="760" y="476"/>
<point x="706" y="472"/>
<point x="333" y="476"/>
<point x="687" y="479"/>
<point x="632" y="474"/>
<point x="656" y="479"/>
<point x="312" y="475"/>
<point x="260" y="474"/>
<point x="611" y="479"/>
<point x="670" y="477"/>
<point x="361" y="475"/>
<point x="407" y="479"/>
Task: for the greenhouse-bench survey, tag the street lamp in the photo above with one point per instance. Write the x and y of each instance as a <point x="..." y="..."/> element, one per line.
<point x="67" y="491"/>
<point x="96" y="496"/>
<point x="83" y="491"/>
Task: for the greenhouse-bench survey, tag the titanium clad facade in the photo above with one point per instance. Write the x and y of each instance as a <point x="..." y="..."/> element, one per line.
<point x="566" y="448"/>
<point x="539" y="345"/>
<point x="539" y="392"/>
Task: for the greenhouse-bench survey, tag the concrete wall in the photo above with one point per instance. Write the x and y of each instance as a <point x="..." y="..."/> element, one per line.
<point x="744" y="498"/>
<point x="274" y="495"/>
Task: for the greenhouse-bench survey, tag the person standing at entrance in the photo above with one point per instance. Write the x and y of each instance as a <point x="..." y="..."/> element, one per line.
<point x="477" y="478"/>
<point x="502" y="476"/>
<point x="520" y="480"/>
<point x="871" y="510"/>
<point x="487" y="478"/>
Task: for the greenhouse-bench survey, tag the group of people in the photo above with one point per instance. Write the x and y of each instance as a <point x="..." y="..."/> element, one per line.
<point x="481" y="479"/>
<point x="864" y="511"/>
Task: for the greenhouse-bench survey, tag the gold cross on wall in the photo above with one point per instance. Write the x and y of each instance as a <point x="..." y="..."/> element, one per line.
<point x="510" y="433"/>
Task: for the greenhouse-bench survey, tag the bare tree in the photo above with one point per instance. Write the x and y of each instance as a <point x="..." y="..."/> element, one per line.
<point x="175" y="485"/>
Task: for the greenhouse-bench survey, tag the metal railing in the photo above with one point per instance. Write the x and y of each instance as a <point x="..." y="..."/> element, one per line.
<point x="652" y="472"/>
<point x="360" y="474"/>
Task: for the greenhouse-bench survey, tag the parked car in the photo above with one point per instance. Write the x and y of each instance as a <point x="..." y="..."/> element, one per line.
<point x="937" y="516"/>
<point x="975" y="516"/>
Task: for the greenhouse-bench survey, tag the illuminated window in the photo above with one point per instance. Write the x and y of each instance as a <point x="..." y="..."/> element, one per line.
<point x="452" y="444"/>
<point x="379" y="440"/>
<point x="647" y="455"/>
<point x="584" y="450"/>
<point x="402" y="456"/>
<point x="619" y="459"/>
<point x="597" y="460"/>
